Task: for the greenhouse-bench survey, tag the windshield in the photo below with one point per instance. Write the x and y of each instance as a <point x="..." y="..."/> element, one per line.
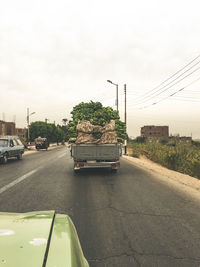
<point x="3" y="142"/>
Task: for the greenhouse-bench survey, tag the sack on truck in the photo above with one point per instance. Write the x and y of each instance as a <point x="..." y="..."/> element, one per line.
<point x="85" y="133"/>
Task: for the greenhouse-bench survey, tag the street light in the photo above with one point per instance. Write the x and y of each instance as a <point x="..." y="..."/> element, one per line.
<point x="28" y="116"/>
<point x="109" y="81"/>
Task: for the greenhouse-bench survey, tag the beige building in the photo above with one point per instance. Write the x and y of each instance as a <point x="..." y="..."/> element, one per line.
<point x="22" y="133"/>
<point x="152" y="131"/>
<point x="7" y="128"/>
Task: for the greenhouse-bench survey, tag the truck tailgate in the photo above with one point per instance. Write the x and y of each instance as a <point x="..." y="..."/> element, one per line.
<point x="95" y="151"/>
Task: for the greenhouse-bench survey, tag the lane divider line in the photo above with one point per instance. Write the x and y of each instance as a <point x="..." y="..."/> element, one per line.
<point x="18" y="180"/>
<point x="62" y="155"/>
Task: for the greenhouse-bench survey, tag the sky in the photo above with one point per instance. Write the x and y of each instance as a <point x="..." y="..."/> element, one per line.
<point x="56" y="54"/>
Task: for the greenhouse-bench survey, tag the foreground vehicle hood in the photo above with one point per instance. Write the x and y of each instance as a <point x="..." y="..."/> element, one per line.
<point x="39" y="239"/>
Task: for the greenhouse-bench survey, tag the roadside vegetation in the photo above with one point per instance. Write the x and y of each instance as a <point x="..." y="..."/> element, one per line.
<point x="53" y="133"/>
<point x="181" y="157"/>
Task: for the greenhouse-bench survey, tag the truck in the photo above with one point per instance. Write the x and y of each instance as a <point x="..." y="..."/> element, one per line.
<point x="96" y="156"/>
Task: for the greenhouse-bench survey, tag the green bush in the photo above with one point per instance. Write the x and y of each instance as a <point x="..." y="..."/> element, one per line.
<point x="163" y="141"/>
<point x="135" y="155"/>
<point x="140" y="139"/>
<point x="179" y="157"/>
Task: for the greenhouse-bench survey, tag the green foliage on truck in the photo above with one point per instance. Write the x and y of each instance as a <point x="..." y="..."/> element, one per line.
<point x="97" y="115"/>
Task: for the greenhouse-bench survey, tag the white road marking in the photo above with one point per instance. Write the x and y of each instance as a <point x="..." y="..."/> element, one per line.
<point x="61" y="155"/>
<point x="18" y="180"/>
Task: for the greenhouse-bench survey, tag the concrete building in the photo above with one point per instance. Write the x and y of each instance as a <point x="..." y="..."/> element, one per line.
<point x="7" y="128"/>
<point x="22" y="133"/>
<point x="152" y="131"/>
<point x="181" y="139"/>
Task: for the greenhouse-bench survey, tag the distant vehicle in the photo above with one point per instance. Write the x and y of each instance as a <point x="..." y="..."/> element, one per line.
<point x="41" y="143"/>
<point x="10" y="146"/>
<point x="72" y="140"/>
<point x="39" y="238"/>
<point x="96" y="156"/>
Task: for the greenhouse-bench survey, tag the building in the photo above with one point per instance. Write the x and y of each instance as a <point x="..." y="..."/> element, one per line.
<point x="181" y="139"/>
<point x="22" y="133"/>
<point x="7" y="128"/>
<point x="152" y="131"/>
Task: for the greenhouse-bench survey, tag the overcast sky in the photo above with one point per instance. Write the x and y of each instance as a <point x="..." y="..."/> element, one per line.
<point x="56" y="54"/>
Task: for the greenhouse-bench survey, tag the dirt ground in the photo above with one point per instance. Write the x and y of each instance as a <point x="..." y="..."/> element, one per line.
<point x="155" y="168"/>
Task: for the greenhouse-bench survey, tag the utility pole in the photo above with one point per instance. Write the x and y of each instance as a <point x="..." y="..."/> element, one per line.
<point x="117" y="98"/>
<point x="28" y="134"/>
<point x="125" y="121"/>
<point x="28" y="121"/>
<point x="109" y="81"/>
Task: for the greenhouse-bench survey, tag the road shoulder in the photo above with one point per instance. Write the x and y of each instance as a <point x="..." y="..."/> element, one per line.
<point x="153" y="167"/>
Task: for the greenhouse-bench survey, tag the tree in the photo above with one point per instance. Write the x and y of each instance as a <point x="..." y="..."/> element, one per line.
<point x="97" y="115"/>
<point x="50" y="131"/>
<point x="64" y="121"/>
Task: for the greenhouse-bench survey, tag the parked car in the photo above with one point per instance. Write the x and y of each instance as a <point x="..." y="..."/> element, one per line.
<point x="39" y="238"/>
<point x="10" y="146"/>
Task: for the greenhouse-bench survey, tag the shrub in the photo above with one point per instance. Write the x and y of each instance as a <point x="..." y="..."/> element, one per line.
<point x="179" y="157"/>
<point x="163" y="141"/>
<point x="140" y="139"/>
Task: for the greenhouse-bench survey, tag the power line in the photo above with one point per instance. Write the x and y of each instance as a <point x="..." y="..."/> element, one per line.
<point x="170" y="77"/>
<point x="160" y="91"/>
<point x="155" y="103"/>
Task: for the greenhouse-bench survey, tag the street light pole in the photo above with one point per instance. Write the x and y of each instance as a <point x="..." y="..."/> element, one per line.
<point x="117" y="98"/>
<point x="28" y="120"/>
<point x="116" y="93"/>
<point x="125" y="121"/>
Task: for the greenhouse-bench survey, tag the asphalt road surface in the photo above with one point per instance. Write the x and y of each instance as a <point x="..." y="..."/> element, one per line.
<point x="123" y="219"/>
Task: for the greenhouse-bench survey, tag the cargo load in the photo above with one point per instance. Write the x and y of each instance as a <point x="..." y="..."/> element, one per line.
<point x="87" y="133"/>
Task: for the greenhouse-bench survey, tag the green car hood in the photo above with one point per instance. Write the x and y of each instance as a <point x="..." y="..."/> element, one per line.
<point x="39" y="239"/>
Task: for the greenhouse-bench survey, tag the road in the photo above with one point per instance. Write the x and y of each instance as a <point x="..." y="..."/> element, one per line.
<point x="125" y="219"/>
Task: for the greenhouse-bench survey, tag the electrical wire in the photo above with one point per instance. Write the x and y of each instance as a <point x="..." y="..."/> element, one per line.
<point x="149" y="93"/>
<point x="183" y="88"/>
<point x="164" y="87"/>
